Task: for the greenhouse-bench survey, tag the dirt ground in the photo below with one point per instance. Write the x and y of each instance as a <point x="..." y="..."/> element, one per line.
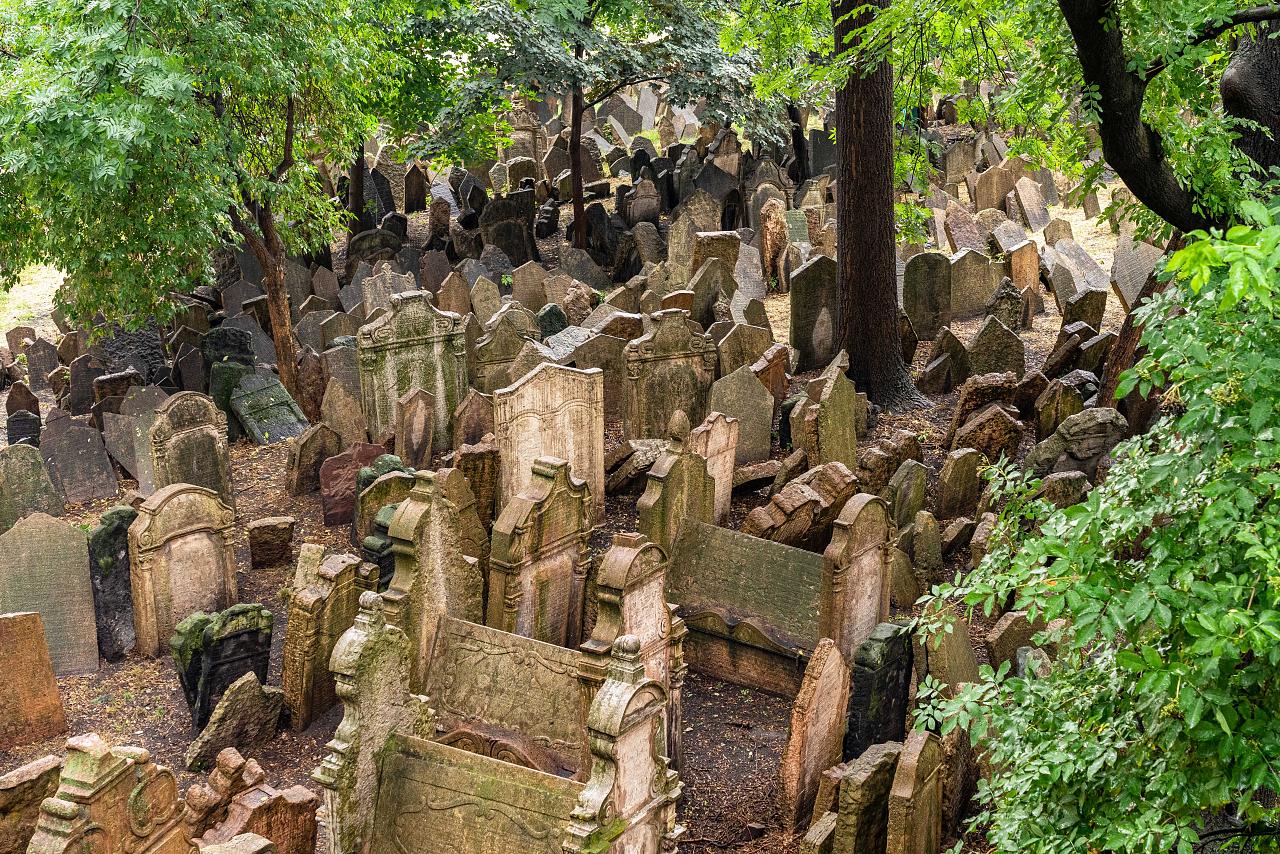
<point x="733" y="736"/>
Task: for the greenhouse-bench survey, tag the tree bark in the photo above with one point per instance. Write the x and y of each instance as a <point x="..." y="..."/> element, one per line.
<point x="1251" y="90"/>
<point x="799" y="142"/>
<point x="268" y="248"/>
<point x="865" y="234"/>
<point x="355" y="193"/>
<point x="577" y="108"/>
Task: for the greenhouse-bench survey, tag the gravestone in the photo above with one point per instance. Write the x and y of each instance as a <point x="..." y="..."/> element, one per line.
<point x="414" y="346"/>
<point x="59" y="589"/>
<point x="211" y="651"/>
<point x="23" y="428"/>
<point x="306" y="455"/>
<point x="539" y="561"/>
<point x="813" y="740"/>
<point x="319" y="613"/>
<point x="25" y="486"/>
<point x="716" y="441"/>
<point x="742" y="396"/>
<point x="434" y="576"/>
<point x="958" y="484"/>
<point x="340" y="411"/>
<point x="42" y="360"/>
<point x="863" y="798"/>
<point x="338" y="481"/>
<point x="84" y="371"/>
<point x="266" y="410"/>
<point x="246" y="718"/>
<point x="926" y="293"/>
<point x="679" y="489"/>
<point x="110" y="575"/>
<point x="180" y="561"/>
<point x="973" y="281"/>
<point x="553" y="411"/>
<point x="815" y="315"/>
<point x="186" y="442"/>
<point x="856" y="573"/>
<point x="669" y="369"/>
<point x="30" y="706"/>
<point x="78" y="464"/>
<point x="915" y="800"/>
<point x="415" y="425"/>
<point x="880" y="689"/>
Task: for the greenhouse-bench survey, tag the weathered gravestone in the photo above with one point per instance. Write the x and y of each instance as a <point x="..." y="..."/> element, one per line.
<point x="44" y="567"/>
<point x="856" y="573"/>
<point x="338" y="481"/>
<point x="25" y="486"/>
<point x="340" y="411"/>
<point x="318" y="615"/>
<point x="414" y="346"/>
<point x="539" y="561"/>
<point x="211" y="651"/>
<point x="185" y="442"/>
<point x="180" y="560"/>
<point x="436" y="538"/>
<point x="317" y="443"/>
<point x="112" y="593"/>
<point x="880" y="689"/>
<point x="118" y="797"/>
<point x="23" y="428"/>
<point x="926" y="293"/>
<point x="817" y="725"/>
<point x="679" y="489"/>
<point x="266" y="410"/>
<point x="915" y="800"/>
<point x="815" y="314"/>
<point x="78" y="464"/>
<point x="42" y="360"/>
<point x="669" y="369"/>
<point x="716" y="441"/>
<point x="22" y="790"/>
<point x="30" y="706"/>
<point x="246" y="717"/>
<point x="863" y="821"/>
<point x="553" y="411"/>
<point x="415" y="426"/>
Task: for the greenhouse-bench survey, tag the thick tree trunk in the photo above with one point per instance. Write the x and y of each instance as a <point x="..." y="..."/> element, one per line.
<point x="799" y="142"/>
<point x="577" y="108"/>
<point x="865" y="226"/>
<point x="355" y="193"/>
<point x="1251" y="90"/>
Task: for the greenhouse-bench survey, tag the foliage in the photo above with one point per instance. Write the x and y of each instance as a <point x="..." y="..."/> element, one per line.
<point x="601" y="46"/>
<point x="1163" y="699"/>
<point x="132" y="132"/>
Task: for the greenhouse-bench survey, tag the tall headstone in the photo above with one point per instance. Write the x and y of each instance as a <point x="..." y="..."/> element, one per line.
<point x="716" y="441"/>
<point x="880" y="689"/>
<point x="112" y="593"/>
<point x="44" y="567"/>
<point x="539" y="562"/>
<point x="186" y="442"/>
<point x="669" y="369"/>
<point x="552" y="411"/>
<point x="79" y="465"/>
<point x="915" y="801"/>
<point x="212" y="651"/>
<point x="815" y="312"/>
<point x="679" y="491"/>
<point x="180" y="559"/>
<point x="318" y="615"/>
<point x="742" y="396"/>
<point x="926" y="293"/>
<point x="415" y="426"/>
<point x="855" y="576"/>
<point x="817" y="725"/>
<point x="415" y="345"/>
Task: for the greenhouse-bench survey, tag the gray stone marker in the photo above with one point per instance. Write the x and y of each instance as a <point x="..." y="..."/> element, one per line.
<point x="815" y="313"/>
<point x="266" y="411"/>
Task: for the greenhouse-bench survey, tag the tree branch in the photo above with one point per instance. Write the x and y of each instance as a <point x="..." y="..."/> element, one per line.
<point x="289" y="126"/>
<point x="1256" y="15"/>
<point x="624" y="84"/>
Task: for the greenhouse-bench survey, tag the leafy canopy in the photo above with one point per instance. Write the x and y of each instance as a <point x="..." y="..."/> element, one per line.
<point x="1163" y="701"/>
<point x="132" y="132"/>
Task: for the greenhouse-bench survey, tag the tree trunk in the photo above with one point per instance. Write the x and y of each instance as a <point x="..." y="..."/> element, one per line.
<point x="1251" y="90"/>
<point x="355" y="193"/>
<point x="1132" y="148"/>
<point x="577" y="108"/>
<point x="867" y="261"/>
<point x="267" y="246"/>
<point x="799" y="142"/>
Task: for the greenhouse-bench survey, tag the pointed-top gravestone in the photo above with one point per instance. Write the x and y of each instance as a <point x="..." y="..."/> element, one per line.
<point x="25" y="486"/>
<point x="415" y="425"/>
<point x="79" y="465"/>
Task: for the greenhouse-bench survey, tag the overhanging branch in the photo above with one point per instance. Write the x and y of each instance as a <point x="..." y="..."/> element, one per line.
<point x="1256" y="15"/>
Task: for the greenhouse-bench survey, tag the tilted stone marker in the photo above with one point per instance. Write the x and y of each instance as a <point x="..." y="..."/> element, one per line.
<point x="880" y="689"/>
<point x="915" y="801"/>
<point x="78" y="464"/>
<point x="112" y="591"/>
<point x="266" y="410"/>
<point x="30" y="706"/>
<point x="211" y="651"/>
<point x="817" y="725"/>
<point x="25" y="486"/>
<point x="44" y="567"/>
<point x="679" y="489"/>
<point x="318" y="615"/>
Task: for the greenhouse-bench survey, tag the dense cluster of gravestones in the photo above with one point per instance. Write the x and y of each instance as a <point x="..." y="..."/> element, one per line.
<point x="469" y="415"/>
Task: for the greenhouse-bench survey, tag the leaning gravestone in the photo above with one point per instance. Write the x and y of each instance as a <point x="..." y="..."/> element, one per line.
<point x="266" y="411"/>
<point x="926" y="293"/>
<point x="863" y="820"/>
<point x="817" y="724"/>
<point x="42" y="360"/>
<point x="23" y="428"/>
<point x="212" y="651"/>
<point x="112" y="592"/>
<point x="915" y="801"/>
<point x="79" y="465"/>
<point x="815" y="314"/>
<point x="25" y="486"/>
<point x="44" y="567"/>
<point x="180" y="561"/>
<point x="743" y="396"/>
